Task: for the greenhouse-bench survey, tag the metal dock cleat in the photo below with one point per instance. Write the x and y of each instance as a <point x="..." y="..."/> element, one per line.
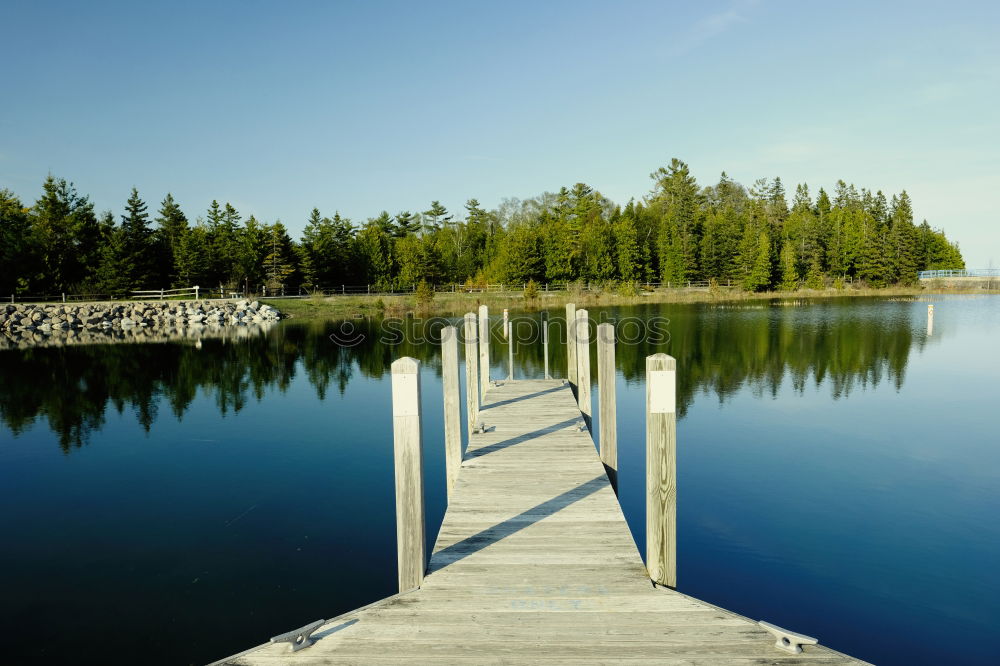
<point x="299" y="638"/>
<point x="789" y="641"/>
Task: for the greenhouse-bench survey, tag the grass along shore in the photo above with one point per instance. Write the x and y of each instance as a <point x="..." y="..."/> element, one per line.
<point x="449" y="303"/>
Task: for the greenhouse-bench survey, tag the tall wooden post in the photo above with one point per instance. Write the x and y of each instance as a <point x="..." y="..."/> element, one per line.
<point x="545" y="342"/>
<point x="571" y="345"/>
<point x="471" y="371"/>
<point x="509" y="334"/>
<point x="606" y="393"/>
<point x="583" y="365"/>
<point x="930" y="319"/>
<point x="452" y="407"/>
<point x="407" y="455"/>
<point x="661" y="469"/>
<point x="484" y="352"/>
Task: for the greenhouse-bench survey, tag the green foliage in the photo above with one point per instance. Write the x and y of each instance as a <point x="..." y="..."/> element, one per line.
<point x="758" y="277"/>
<point x="64" y="236"/>
<point x="519" y="257"/>
<point x="191" y="261"/>
<point x="172" y="224"/>
<point x="113" y="275"/>
<point x="531" y="291"/>
<point x="678" y="232"/>
<point x="629" y="289"/>
<point x="15" y="244"/>
<point x="789" y="270"/>
<point x="424" y="293"/>
<point x="814" y="277"/>
<point x="279" y="264"/>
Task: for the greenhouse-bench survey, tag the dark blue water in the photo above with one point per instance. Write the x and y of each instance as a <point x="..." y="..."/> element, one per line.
<point x="838" y="474"/>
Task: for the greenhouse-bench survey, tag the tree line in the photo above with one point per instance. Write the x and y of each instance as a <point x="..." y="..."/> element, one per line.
<point x="679" y="231"/>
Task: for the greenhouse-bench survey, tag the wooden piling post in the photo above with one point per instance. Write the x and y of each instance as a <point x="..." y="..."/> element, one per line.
<point x="571" y="345"/>
<point x="583" y="366"/>
<point x="484" y="352"/>
<point x="471" y="371"/>
<point x="606" y="394"/>
<point x="509" y="334"/>
<point x="409" y="472"/>
<point x="930" y="319"/>
<point x="452" y="406"/>
<point x="545" y="342"/>
<point x="661" y="469"/>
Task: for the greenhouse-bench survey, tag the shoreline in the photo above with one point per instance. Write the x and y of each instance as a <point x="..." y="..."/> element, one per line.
<point x="334" y="307"/>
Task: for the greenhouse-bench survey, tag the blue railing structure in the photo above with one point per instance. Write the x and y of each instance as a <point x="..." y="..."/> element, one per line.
<point x="964" y="272"/>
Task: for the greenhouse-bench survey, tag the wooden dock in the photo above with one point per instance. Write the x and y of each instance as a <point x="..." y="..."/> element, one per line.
<point x="534" y="563"/>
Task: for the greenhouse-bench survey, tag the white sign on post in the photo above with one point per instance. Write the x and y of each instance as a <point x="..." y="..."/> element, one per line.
<point x="404" y="395"/>
<point x="662" y="391"/>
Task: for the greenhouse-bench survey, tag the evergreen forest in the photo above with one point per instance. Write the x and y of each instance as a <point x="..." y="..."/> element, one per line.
<point x="759" y="238"/>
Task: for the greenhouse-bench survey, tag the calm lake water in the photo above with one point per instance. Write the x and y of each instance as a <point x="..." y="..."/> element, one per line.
<point x="838" y="474"/>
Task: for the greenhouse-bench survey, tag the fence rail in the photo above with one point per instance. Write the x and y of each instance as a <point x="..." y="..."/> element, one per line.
<point x="959" y="273"/>
<point x="223" y="292"/>
<point x="146" y="294"/>
<point x="151" y="294"/>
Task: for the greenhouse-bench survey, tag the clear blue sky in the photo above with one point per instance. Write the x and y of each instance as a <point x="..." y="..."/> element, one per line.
<point x="360" y="106"/>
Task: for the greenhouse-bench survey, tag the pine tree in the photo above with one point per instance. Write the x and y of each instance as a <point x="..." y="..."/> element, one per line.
<point x="383" y="221"/>
<point x="15" y="246"/>
<point x="476" y="234"/>
<point x="560" y="248"/>
<point x="789" y="270"/>
<point x="626" y="243"/>
<point x="252" y="249"/>
<point x="760" y="275"/>
<point x="114" y="270"/>
<point x="902" y="247"/>
<point x="323" y="257"/>
<point x="675" y="196"/>
<point x="418" y="261"/>
<point x="191" y="261"/>
<point x="137" y="242"/>
<point x="342" y="237"/>
<point x="597" y="250"/>
<point x="172" y="223"/>
<point x="814" y="275"/>
<point x="519" y="259"/>
<point x="373" y="249"/>
<point x="435" y="216"/>
<point x="279" y="264"/>
<point x="406" y="224"/>
<point x="222" y="230"/>
<point x="64" y="236"/>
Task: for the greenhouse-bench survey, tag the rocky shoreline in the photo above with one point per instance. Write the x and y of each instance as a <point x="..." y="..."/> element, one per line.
<point x="34" y="324"/>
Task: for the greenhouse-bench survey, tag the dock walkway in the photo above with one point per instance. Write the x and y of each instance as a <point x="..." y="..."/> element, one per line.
<point x="534" y="563"/>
